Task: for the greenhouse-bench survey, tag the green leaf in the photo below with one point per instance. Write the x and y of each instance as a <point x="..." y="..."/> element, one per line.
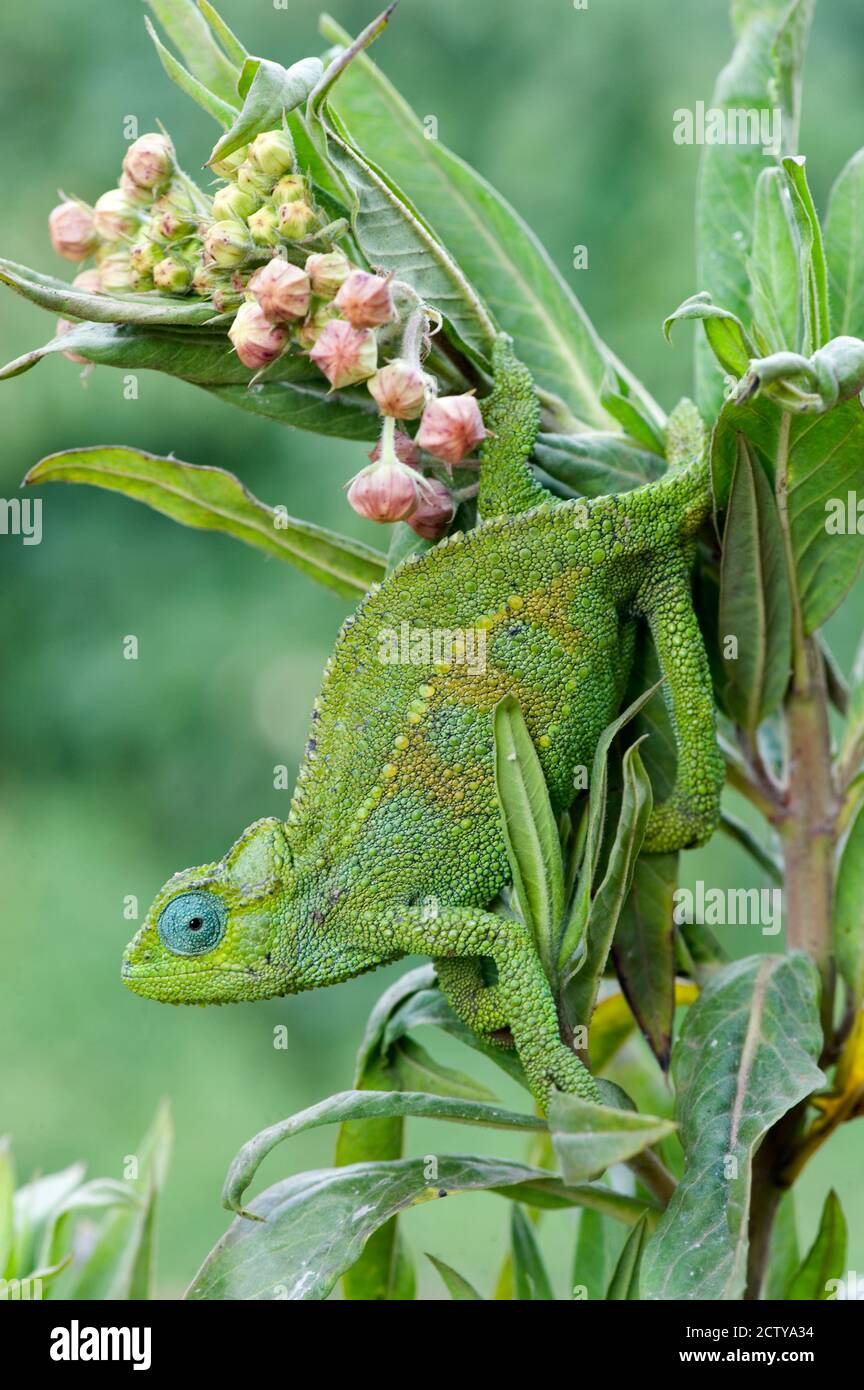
<point x="530" y="830"/>
<point x="270" y="92"/>
<point x="644" y="950"/>
<point x="814" y="462"/>
<point x="783" y="1256"/>
<point x="7" y="1190"/>
<point x="844" y="238"/>
<point x="232" y="46"/>
<point x="360" y="1105"/>
<point x="825" y="1261"/>
<point x="221" y="111"/>
<point x="624" y="1283"/>
<point x="591" y="924"/>
<point x="99" y="1194"/>
<point x="746" y="1055"/>
<point x="415" y="1070"/>
<point x="755" y="605"/>
<point x="814" y="265"/>
<point x="593" y="465"/>
<point x="598" y="1245"/>
<point x="61" y="298"/>
<point x="630" y="413"/>
<point x="774" y="264"/>
<point x="848" y="912"/>
<point x="312" y="1227"/>
<point x="763" y="75"/>
<point x="33" y="1207"/>
<point x="498" y="253"/>
<point x="724" y="331"/>
<point x="214" y="500"/>
<point x="187" y="27"/>
<point x="430" y="1008"/>
<point x="530" y="1279"/>
<point x="589" y="1138"/>
<point x="457" y="1287"/>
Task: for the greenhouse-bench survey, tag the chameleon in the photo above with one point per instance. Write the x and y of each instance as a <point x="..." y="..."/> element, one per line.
<point x="394" y="843"/>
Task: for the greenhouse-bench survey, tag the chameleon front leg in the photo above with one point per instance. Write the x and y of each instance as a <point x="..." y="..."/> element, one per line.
<point x="522" y="989"/>
<point x="689" y="815"/>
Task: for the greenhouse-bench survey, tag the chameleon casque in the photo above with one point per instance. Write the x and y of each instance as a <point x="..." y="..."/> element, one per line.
<point x="396" y="806"/>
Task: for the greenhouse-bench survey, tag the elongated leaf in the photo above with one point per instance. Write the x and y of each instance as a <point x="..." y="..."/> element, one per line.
<point x="187" y="27"/>
<point x="414" y="1069"/>
<point x="815" y="464"/>
<point x="784" y="1256"/>
<point x="644" y="950"/>
<point x="530" y="830"/>
<point x="358" y="1105"/>
<point x="530" y="1278"/>
<point x="233" y="48"/>
<point x="746" y="1055"/>
<point x="724" y="330"/>
<point x="503" y="258"/>
<point x="774" y="264"/>
<point x="624" y="1283"/>
<point x="270" y="92"/>
<point x="33" y="1207"/>
<point x="221" y="111"/>
<point x="844" y="238"/>
<point x="430" y="1008"/>
<point x="848" y="912"/>
<point x="214" y="500"/>
<point x="99" y="1194"/>
<point x="814" y="264"/>
<point x="589" y="1138"/>
<point x="755" y="605"/>
<point x="61" y="298"/>
<point x="457" y="1287"/>
<point x="7" y="1189"/>
<point x="762" y="76"/>
<point x="825" y="1261"/>
<point x="852" y="738"/>
<point x="593" y="465"/>
<point x="598" y="1245"/>
<point x="312" y="1227"/>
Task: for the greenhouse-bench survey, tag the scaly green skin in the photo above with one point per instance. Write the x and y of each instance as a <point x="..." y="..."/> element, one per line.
<point x="394" y="845"/>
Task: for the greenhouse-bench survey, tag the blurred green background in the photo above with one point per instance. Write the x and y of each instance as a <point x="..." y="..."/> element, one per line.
<point x="118" y="772"/>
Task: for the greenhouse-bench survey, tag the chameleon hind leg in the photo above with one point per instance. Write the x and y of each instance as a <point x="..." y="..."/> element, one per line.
<point x="477" y="1003"/>
<point x="522" y="989"/>
<point x="689" y="815"/>
<point x="511" y="414"/>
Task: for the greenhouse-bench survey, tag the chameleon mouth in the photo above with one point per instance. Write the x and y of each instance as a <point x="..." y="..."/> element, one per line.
<point x="205" y="985"/>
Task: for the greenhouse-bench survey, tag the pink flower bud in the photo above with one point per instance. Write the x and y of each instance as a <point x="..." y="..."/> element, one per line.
<point x="403" y="446"/>
<point x="327" y="271"/>
<point x="141" y="197"/>
<point x="73" y="235"/>
<point x="435" y="510"/>
<point x="281" y="290"/>
<point x="172" y="216"/>
<point x="149" y="162"/>
<point x="365" y="300"/>
<point x="295" y="220"/>
<point x="257" y="341"/>
<point x="385" y="492"/>
<point x="451" y="427"/>
<point x="116" y="216"/>
<point x="344" y="354"/>
<point x="272" y="152"/>
<point x="89" y="280"/>
<point x="400" y="390"/>
<point x="116" y="273"/>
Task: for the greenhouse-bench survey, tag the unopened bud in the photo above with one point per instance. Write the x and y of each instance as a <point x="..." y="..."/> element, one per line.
<point x="226" y="299"/>
<point x="327" y="271"/>
<point x="227" y="244"/>
<point x="257" y="341"/>
<point x="73" y="234"/>
<point x="451" y="427"/>
<point x="172" y="216"/>
<point x="145" y="256"/>
<point x="365" y="300"/>
<point x="290" y="189"/>
<point x="226" y="168"/>
<point x="295" y="220"/>
<point x="253" y="182"/>
<point x="115" y="216"/>
<point x="385" y="492"/>
<point x="400" y="389"/>
<point x="172" y="276"/>
<point x="281" y="291"/>
<point x="141" y="197"/>
<point x="272" y="152"/>
<point x="149" y="162"/>
<point x="311" y="329"/>
<point x="345" y="354"/>
<point x="231" y="201"/>
<point x="206" y="279"/>
<point x="115" y="273"/>
<point x="434" y="512"/>
<point x="90" y="281"/>
<point x="264" y="226"/>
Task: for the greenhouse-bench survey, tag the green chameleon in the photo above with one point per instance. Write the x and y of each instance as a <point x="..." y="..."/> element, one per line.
<point x="394" y="844"/>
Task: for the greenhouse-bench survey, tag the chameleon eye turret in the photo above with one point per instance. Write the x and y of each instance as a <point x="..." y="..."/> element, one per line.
<point x="192" y="924"/>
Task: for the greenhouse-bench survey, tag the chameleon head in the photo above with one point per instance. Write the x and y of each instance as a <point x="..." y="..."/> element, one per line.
<point x="218" y="933"/>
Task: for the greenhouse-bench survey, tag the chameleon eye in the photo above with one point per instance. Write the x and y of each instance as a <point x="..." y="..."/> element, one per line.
<point x="192" y="924"/>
